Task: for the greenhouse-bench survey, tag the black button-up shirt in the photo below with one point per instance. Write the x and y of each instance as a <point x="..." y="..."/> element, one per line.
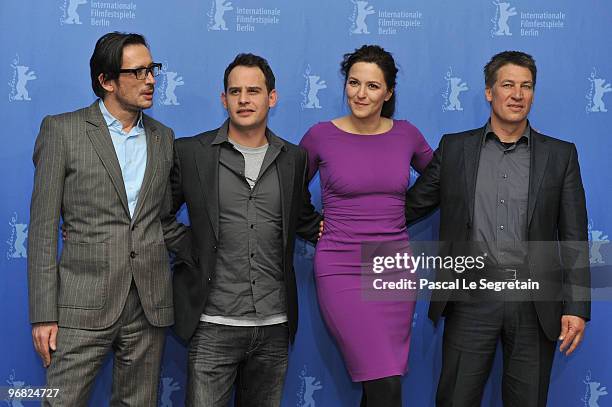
<point x="500" y="206"/>
<point x="248" y="279"/>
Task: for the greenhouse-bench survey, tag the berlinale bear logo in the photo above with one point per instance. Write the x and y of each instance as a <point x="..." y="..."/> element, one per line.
<point x="18" y="84"/>
<point x="309" y="385"/>
<point x="596" y="92"/>
<point x="503" y="12"/>
<point x="361" y="10"/>
<point x="311" y="90"/>
<point x="216" y="14"/>
<point x="454" y="87"/>
<point x="70" y="15"/>
<point x="167" y="87"/>
<point x="594" y="390"/>
<point x="17" y="239"/>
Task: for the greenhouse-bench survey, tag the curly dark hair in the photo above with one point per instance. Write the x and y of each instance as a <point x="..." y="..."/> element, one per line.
<point x="379" y="56"/>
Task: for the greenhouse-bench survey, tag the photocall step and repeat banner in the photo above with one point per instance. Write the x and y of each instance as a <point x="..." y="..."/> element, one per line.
<point x="440" y="47"/>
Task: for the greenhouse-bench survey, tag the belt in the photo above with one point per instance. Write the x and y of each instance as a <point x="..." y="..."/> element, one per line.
<point x="505" y="273"/>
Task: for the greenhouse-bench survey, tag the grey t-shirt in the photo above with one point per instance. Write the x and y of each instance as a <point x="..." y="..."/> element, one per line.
<point x="253" y="158"/>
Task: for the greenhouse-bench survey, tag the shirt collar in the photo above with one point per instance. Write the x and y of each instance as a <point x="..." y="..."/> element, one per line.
<point x="223" y="136"/>
<point x="488" y="131"/>
<point x="114" y="123"/>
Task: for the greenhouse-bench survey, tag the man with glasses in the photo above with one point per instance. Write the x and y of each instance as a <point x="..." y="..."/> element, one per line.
<point x="103" y="170"/>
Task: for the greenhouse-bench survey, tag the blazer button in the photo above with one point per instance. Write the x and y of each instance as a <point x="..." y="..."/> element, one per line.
<point x="215" y="249"/>
<point x="133" y="255"/>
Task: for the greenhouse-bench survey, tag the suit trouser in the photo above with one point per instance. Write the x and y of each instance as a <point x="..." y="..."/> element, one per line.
<point x="137" y="347"/>
<point x="471" y="333"/>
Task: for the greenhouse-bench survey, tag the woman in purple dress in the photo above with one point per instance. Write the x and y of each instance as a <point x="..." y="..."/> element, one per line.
<point x="364" y="162"/>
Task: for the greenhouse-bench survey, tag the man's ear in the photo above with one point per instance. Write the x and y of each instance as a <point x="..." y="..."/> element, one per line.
<point x="272" y="98"/>
<point x="107" y="84"/>
<point x="224" y="100"/>
<point x="489" y="94"/>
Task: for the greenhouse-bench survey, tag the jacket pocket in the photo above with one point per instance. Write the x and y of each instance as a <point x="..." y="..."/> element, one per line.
<point x="83" y="275"/>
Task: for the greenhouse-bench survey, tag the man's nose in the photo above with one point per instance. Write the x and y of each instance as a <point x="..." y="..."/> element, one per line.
<point x="150" y="79"/>
<point x="243" y="97"/>
<point x="517" y="92"/>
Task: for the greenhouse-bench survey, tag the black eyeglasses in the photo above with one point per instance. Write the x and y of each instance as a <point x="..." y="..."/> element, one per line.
<point x="141" y="73"/>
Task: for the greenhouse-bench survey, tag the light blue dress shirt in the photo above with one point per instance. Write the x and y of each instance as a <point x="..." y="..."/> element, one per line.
<point x="131" y="150"/>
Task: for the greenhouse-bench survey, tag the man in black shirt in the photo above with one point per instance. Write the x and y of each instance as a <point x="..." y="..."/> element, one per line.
<point x="517" y="196"/>
<point x="235" y="295"/>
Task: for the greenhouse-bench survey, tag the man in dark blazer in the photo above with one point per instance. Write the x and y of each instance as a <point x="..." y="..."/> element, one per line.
<point x="516" y="195"/>
<point x="103" y="170"/>
<point x="247" y="197"/>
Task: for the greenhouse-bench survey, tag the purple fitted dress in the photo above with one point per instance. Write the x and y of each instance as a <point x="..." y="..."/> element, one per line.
<point x="363" y="183"/>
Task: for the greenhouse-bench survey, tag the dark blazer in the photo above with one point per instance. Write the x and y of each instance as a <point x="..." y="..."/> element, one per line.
<point x="77" y="178"/>
<point x="195" y="181"/>
<point x="556" y="219"/>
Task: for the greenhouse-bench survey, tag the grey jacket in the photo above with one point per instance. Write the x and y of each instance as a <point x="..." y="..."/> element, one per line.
<point x="78" y="179"/>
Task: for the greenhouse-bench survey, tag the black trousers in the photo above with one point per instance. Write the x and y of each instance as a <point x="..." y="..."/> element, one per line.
<point x="472" y="331"/>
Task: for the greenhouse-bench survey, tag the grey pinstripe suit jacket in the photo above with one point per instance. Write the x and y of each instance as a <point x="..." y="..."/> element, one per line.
<point x="77" y="176"/>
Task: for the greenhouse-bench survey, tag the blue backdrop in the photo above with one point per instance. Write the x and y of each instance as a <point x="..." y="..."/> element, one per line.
<point x="440" y="46"/>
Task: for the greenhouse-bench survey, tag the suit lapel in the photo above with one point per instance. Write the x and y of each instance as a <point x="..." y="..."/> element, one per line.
<point x="98" y="133"/>
<point x="285" y="165"/>
<point x="537" y="168"/>
<point x="153" y="141"/>
<point x="207" y="162"/>
<point x="471" y="157"/>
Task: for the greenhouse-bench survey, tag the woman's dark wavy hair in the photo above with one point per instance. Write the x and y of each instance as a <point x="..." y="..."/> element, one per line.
<point x="376" y="55"/>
